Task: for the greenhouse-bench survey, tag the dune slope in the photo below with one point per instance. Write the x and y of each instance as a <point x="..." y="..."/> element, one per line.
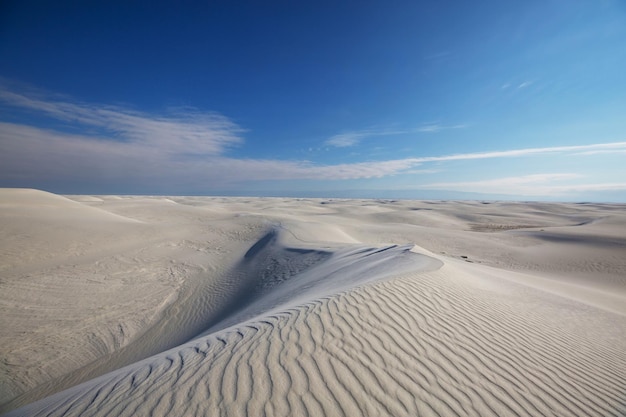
<point x="427" y="343"/>
<point x="318" y="307"/>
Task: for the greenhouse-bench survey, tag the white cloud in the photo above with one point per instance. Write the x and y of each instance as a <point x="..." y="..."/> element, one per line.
<point x="184" y="132"/>
<point x="29" y="152"/>
<point x="189" y="149"/>
<point x="35" y="153"/>
<point x="508" y="181"/>
<point x="529" y="185"/>
<point x="435" y="127"/>
<point x="517" y="85"/>
<point x="346" y="139"/>
<point x="526" y="152"/>
<point x="422" y="171"/>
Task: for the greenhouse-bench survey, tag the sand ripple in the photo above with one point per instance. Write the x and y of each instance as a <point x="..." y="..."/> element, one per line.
<point x="428" y="343"/>
<point x="277" y="307"/>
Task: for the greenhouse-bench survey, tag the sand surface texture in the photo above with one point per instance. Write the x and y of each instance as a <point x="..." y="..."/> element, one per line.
<point x="194" y="306"/>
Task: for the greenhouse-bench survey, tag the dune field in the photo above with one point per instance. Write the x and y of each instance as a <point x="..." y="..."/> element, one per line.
<point x="208" y="306"/>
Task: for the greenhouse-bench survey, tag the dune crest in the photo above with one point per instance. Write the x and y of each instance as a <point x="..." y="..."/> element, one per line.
<point x="426" y="343"/>
<point x="314" y="307"/>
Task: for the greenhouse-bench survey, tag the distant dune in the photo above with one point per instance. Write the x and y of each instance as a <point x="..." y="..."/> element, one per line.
<point x="193" y="306"/>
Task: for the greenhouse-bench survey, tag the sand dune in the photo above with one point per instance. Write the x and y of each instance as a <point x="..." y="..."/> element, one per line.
<point x="234" y="306"/>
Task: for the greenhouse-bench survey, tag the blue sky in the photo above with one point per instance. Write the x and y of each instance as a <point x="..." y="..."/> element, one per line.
<point x="407" y="99"/>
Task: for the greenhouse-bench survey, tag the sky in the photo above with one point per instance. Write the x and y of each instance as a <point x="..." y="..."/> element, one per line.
<point x="356" y="99"/>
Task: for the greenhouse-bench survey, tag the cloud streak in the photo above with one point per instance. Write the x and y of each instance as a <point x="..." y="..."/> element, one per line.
<point x="529" y="185"/>
<point x="182" y="132"/>
<point x="436" y="127"/>
<point x="27" y="151"/>
<point x="613" y="146"/>
<point x="347" y="139"/>
<point x="344" y="140"/>
<point x="189" y="150"/>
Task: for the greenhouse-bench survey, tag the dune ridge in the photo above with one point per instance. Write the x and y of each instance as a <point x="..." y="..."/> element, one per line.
<point x="323" y="307"/>
<point x="420" y="344"/>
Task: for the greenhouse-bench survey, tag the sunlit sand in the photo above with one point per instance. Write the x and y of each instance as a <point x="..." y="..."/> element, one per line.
<point x="182" y="306"/>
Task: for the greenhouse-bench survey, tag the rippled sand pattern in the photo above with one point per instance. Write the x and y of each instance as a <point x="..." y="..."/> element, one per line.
<point x="427" y="345"/>
<point x="278" y="307"/>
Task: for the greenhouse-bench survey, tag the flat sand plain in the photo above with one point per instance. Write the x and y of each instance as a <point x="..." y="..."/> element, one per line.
<point x="193" y="306"/>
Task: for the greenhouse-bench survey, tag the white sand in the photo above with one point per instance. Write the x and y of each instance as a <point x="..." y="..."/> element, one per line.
<point x="232" y="306"/>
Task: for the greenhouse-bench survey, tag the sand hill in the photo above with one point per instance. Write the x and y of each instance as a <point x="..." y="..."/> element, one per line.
<point x="188" y="306"/>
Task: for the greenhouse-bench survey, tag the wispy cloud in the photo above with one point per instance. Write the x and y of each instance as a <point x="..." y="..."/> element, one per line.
<point x="190" y="149"/>
<point x="346" y="139"/>
<point x="27" y="151"/>
<point x="518" y="86"/>
<point x="436" y="127"/>
<point x="188" y="131"/>
<point x="525" y="152"/>
<point x="189" y="146"/>
<point x="529" y="185"/>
